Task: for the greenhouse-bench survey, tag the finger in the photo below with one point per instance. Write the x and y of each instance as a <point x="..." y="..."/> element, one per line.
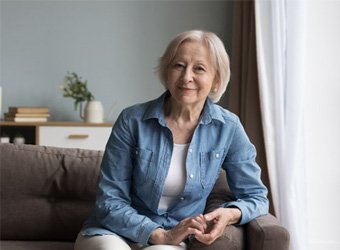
<point x="216" y="229"/>
<point x="212" y="215"/>
<point x="198" y="223"/>
<point x="206" y="239"/>
<point x="200" y="218"/>
<point x="195" y="220"/>
<point x="181" y="231"/>
<point x="215" y="232"/>
<point x="190" y="231"/>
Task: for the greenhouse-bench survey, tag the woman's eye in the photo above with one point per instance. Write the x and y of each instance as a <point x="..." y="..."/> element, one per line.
<point x="200" y="69"/>
<point x="179" y="66"/>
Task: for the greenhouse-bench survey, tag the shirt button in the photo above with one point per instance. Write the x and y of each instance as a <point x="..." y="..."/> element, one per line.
<point x="191" y="176"/>
<point x="190" y="150"/>
<point x="182" y="198"/>
<point x="217" y="155"/>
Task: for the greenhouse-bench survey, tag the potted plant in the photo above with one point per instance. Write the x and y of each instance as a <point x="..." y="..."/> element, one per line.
<point x="19" y="139"/>
<point x="76" y="88"/>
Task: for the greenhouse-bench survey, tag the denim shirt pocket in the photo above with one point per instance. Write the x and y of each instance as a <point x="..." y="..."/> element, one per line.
<point x="142" y="164"/>
<point x="210" y="167"/>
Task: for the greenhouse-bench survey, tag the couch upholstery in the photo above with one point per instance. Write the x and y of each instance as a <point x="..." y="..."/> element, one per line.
<point x="47" y="192"/>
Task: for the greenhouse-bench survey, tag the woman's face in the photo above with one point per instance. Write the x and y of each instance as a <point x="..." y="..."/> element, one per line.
<point x="191" y="75"/>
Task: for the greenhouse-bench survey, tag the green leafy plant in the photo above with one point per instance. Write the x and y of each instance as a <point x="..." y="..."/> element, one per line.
<point x="75" y="88"/>
<point x="19" y="135"/>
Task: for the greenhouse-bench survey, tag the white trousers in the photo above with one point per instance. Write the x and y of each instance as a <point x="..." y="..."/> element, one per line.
<point x="114" y="242"/>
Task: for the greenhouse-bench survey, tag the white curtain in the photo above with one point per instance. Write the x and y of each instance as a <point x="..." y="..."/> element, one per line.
<point x="280" y="54"/>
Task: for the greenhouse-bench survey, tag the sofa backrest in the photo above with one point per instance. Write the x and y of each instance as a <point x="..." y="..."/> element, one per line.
<point x="46" y="192"/>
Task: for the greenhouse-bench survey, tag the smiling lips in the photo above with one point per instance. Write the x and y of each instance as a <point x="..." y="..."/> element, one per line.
<point x="183" y="88"/>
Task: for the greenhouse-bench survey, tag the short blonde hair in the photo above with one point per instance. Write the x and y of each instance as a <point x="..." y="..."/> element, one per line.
<point x="216" y="49"/>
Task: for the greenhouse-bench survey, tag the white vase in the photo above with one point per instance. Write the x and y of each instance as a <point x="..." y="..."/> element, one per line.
<point x="19" y="140"/>
<point x="94" y="112"/>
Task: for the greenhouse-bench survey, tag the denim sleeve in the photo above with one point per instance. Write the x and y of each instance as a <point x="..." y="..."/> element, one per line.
<point x="244" y="177"/>
<point x="113" y="204"/>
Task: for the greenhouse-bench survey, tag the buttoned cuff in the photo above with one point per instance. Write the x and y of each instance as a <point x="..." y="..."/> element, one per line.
<point x="244" y="211"/>
<point x="146" y="231"/>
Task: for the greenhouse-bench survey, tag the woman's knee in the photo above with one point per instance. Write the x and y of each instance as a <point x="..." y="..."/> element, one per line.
<point x="100" y="242"/>
<point x="182" y="246"/>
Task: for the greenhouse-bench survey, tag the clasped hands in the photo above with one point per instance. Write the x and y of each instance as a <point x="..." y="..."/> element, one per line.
<point x="205" y="228"/>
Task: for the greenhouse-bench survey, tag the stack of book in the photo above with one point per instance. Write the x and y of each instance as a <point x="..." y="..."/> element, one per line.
<point x="27" y="114"/>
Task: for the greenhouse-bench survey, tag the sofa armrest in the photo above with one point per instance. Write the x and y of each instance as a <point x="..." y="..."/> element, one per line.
<point x="265" y="233"/>
<point x="262" y="233"/>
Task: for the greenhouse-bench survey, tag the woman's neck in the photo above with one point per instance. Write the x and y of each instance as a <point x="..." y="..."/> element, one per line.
<point x="182" y="113"/>
<point x="182" y="120"/>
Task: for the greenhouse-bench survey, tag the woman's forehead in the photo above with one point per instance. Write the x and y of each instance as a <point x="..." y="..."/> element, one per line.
<point x="196" y="51"/>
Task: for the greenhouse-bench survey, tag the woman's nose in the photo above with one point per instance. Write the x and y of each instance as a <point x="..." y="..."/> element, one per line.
<point x="187" y="75"/>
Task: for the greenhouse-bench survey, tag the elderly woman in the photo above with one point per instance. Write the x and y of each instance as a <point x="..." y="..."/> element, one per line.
<point x="164" y="156"/>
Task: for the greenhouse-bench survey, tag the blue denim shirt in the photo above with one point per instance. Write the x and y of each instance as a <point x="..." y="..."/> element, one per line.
<point x="136" y="162"/>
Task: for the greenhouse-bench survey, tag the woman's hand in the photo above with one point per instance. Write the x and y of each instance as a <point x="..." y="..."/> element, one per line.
<point x="195" y="225"/>
<point x="217" y="221"/>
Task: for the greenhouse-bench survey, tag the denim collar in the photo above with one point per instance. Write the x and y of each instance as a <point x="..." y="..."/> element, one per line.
<point x="210" y="112"/>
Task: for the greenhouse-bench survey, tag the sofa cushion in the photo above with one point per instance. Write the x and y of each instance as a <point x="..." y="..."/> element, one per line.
<point x="46" y="192"/>
<point x="35" y="245"/>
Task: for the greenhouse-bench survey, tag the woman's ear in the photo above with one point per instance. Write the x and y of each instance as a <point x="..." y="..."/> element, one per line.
<point x="216" y="85"/>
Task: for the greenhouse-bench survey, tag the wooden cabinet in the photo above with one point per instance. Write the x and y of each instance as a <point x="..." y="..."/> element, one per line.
<point x="60" y="134"/>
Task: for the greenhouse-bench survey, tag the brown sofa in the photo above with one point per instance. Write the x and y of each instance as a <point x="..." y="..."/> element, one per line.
<point x="47" y="192"/>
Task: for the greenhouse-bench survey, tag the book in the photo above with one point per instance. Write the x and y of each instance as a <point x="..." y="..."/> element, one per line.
<point x="4" y="139"/>
<point x="28" y="110"/>
<point x="26" y="115"/>
<point x="26" y="119"/>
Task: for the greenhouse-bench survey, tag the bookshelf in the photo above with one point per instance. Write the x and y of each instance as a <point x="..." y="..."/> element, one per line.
<point x="59" y="133"/>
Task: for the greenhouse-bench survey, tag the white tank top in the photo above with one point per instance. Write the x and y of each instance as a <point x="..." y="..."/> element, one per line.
<point x="175" y="180"/>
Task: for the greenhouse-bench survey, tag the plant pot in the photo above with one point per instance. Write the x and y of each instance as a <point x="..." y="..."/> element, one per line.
<point x="19" y="140"/>
<point x="94" y="112"/>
